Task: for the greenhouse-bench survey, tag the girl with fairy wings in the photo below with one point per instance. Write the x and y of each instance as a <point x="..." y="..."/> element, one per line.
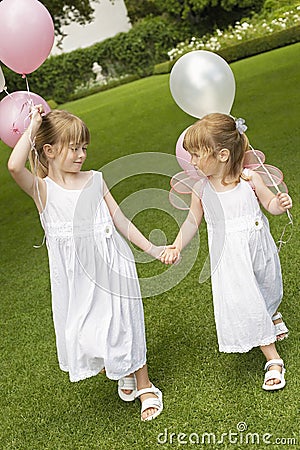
<point x="245" y="267"/>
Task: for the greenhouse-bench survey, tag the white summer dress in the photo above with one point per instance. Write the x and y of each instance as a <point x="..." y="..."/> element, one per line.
<point x="245" y="268"/>
<point x="96" y="300"/>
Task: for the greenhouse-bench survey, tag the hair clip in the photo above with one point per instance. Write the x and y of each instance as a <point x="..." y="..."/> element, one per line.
<point x="240" y="125"/>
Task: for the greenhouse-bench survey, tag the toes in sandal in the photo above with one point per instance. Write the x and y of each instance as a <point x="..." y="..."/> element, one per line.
<point x="152" y="402"/>
<point x="127" y="384"/>
<point x="274" y="374"/>
<point x="281" y="329"/>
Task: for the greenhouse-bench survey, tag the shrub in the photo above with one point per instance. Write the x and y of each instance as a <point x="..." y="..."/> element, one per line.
<point x="161" y="68"/>
<point x="260" y="45"/>
<point x="243" y="31"/>
<point x="138" y="50"/>
<point x="244" y="49"/>
<point x="89" y="90"/>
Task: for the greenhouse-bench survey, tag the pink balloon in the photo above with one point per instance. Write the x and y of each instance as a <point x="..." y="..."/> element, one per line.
<point x="26" y="34"/>
<point x="184" y="158"/>
<point x="14" y="114"/>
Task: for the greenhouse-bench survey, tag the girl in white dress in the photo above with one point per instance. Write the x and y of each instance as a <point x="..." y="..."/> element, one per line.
<point x="245" y="267"/>
<point x="96" y="299"/>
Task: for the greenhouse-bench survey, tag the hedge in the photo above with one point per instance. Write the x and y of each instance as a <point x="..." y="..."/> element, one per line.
<point x="246" y="48"/>
<point x="260" y="45"/>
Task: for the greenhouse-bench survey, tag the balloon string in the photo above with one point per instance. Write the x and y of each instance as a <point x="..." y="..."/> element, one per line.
<point x="35" y="173"/>
<point x="28" y="90"/>
<point x="290" y="222"/>
<point x="281" y="241"/>
<point x="7" y="93"/>
<point x="30" y="101"/>
<point x="265" y="169"/>
<point x="15" y="129"/>
<point x="41" y="245"/>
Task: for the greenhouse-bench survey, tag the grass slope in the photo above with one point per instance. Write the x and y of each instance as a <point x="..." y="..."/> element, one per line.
<point x="204" y="391"/>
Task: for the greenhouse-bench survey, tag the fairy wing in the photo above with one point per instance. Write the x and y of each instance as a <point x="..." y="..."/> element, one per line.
<point x="271" y="175"/>
<point x="182" y="185"/>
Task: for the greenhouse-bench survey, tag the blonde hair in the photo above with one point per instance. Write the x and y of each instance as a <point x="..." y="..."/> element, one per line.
<point x="213" y="133"/>
<point x="58" y="127"/>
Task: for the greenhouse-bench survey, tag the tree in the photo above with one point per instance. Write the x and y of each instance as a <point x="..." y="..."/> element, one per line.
<point x="194" y="16"/>
<point x="67" y="11"/>
<point x="137" y="9"/>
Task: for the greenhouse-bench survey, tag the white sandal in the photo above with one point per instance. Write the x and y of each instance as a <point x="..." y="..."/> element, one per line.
<point x="127" y="384"/>
<point x="280" y="327"/>
<point x="274" y="374"/>
<point x="156" y="403"/>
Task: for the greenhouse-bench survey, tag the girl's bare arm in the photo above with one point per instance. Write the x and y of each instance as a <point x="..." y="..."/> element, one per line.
<point x="187" y="231"/>
<point x="127" y="228"/>
<point x="274" y="204"/>
<point x="18" y="158"/>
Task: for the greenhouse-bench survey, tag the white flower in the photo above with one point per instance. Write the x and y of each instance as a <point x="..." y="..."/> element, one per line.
<point x="245" y="25"/>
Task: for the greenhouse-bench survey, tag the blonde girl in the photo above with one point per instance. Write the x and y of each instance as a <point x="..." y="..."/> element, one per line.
<point x="96" y="299"/>
<point x="245" y="268"/>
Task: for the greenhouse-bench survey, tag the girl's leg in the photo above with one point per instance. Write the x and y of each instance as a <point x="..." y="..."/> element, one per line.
<point x="270" y="352"/>
<point x="142" y="380"/>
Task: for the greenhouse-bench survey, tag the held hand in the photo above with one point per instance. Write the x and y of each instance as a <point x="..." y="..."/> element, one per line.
<point x="284" y="200"/>
<point x="157" y="250"/>
<point x="171" y="255"/>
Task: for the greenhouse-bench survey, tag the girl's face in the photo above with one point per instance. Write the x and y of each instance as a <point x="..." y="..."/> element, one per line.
<point x="208" y="165"/>
<point x="72" y="159"/>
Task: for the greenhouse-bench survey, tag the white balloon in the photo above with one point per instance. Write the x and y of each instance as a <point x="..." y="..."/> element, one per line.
<point x="201" y="82"/>
<point x="2" y="80"/>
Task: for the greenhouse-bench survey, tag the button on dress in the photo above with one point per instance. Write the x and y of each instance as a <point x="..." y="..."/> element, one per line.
<point x="96" y="299"/>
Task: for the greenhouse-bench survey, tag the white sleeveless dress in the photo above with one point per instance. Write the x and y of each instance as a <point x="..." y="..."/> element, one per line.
<point x="245" y="268"/>
<point x="96" y="300"/>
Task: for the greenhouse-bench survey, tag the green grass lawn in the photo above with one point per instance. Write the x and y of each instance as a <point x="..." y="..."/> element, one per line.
<point x="204" y="391"/>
